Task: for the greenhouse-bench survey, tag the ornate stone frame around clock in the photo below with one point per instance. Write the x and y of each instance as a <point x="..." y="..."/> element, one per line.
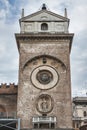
<point x="51" y="84"/>
<point x="30" y="59"/>
<point x="53" y="65"/>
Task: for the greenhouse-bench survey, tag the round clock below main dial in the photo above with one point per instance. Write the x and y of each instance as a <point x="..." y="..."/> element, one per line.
<point x="44" y="77"/>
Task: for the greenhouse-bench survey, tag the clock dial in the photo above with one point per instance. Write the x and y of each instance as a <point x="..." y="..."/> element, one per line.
<point x="44" y="77"/>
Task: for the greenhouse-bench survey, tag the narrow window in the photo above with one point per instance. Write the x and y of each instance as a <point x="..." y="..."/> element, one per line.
<point x="84" y="113"/>
<point x="77" y="125"/>
<point x="44" y="26"/>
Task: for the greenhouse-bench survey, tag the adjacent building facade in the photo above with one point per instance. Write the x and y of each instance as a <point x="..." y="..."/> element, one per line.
<point x="42" y="99"/>
<point x="80" y="113"/>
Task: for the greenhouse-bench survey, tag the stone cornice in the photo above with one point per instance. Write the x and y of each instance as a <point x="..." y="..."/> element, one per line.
<point x="26" y="37"/>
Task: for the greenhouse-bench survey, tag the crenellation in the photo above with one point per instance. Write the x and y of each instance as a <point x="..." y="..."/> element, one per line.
<point x="8" y="88"/>
<point x="3" y="85"/>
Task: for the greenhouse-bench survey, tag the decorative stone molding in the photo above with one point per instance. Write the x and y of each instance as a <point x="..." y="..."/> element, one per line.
<point x="43" y="37"/>
<point x="34" y="59"/>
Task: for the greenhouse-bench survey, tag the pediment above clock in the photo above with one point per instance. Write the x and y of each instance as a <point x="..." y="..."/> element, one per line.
<point x="44" y="15"/>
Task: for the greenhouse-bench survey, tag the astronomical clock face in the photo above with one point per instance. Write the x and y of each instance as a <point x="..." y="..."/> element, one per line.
<point x="44" y="72"/>
<point x="44" y="77"/>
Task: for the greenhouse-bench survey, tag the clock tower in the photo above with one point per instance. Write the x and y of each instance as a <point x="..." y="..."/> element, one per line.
<point x="44" y="88"/>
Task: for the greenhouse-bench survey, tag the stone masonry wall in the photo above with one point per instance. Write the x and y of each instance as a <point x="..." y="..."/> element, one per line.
<point x="61" y="93"/>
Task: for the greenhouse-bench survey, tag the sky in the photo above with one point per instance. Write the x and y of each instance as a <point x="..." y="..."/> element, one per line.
<point x="10" y="13"/>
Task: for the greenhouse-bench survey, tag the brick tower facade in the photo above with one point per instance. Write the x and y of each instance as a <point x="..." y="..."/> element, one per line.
<point x="44" y="88"/>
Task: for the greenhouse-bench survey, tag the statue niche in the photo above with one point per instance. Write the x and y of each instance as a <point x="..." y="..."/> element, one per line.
<point x="44" y="103"/>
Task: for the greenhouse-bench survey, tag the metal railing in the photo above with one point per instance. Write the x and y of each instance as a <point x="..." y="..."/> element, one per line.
<point x="9" y="120"/>
<point x="9" y="124"/>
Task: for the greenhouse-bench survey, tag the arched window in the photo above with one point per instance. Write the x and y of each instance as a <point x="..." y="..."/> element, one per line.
<point x="44" y="26"/>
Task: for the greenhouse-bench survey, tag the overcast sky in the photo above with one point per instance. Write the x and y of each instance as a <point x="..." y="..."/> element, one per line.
<point x="10" y="12"/>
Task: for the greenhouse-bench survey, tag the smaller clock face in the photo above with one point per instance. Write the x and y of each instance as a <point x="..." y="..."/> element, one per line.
<point x="44" y="77"/>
